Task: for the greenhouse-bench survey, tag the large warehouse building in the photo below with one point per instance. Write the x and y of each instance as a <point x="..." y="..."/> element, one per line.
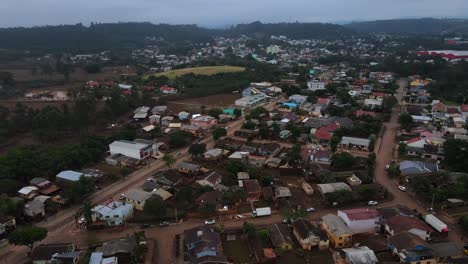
<point x="447" y="54"/>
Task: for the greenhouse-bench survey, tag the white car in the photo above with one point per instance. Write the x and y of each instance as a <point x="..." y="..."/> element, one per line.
<point x="311" y="209"/>
<point x="372" y="203"/>
<point x="210" y="222"/>
<point x="402" y="188"/>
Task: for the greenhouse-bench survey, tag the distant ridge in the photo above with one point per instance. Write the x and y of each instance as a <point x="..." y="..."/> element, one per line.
<point x="412" y="26"/>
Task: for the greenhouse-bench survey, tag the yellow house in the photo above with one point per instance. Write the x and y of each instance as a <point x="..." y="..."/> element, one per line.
<point x="339" y="233"/>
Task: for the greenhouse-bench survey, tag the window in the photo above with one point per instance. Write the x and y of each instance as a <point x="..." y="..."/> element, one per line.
<point x="116" y="216"/>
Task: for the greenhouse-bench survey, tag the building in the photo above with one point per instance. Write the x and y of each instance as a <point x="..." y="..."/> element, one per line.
<point x="168" y="90"/>
<point x="188" y="168"/>
<point x="203" y="244"/>
<point x="400" y="223"/>
<point x="55" y="254"/>
<point x="315" y="85"/>
<point x="373" y="103"/>
<point x="114" y="213"/>
<point x="360" y="255"/>
<point x="252" y="100"/>
<point x="284" y="134"/>
<point x="183" y="115"/>
<point x="273" y="49"/>
<point x="121" y="248"/>
<point x="338" y="232"/>
<point x="280" y="236"/>
<point x="361" y="220"/>
<point x="298" y="99"/>
<point x="309" y="236"/>
<point x="362" y="144"/>
<point x="256" y="161"/>
<point x="137" y="198"/>
<point x="204" y="122"/>
<point x="213" y="154"/>
<point x="138" y="149"/>
<point x="410" y="248"/>
<point x="408" y="167"/>
<point x="252" y="187"/>
<point x="447" y="54"/>
<point x="28" y="192"/>
<point x="332" y="187"/>
<point x="282" y="192"/>
<point x="141" y="113"/>
<point x="211" y="179"/>
<point x="7" y="224"/>
<point x="98" y="258"/>
<point x="35" y="208"/>
<point x="68" y="176"/>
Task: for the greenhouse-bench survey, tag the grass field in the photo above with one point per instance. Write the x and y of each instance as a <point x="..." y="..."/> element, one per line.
<point x="210" y="70"/>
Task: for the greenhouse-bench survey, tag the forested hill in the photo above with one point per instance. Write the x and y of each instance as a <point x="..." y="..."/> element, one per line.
<point x="76" y="38"/>
<point x="412" y="26"/>
<point x="291" y="30"/>
<point x="79" y="38"/>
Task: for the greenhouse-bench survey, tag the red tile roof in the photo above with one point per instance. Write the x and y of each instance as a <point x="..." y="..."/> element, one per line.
<point x="413" y="140"/>
<point x="452" y="110"/>
<point x="166" y="88"/>
<point x="322" y="100"/>
<point x="326" y="132"/>
<point x="402" y="223"/>
<point x="251" y="186"/>
<point x="361" y="214"/>
<point x="464" y="108"/>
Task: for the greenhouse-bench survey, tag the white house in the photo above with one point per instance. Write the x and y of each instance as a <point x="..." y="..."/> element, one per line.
<point x="315" y="85"/>
<point x="361" y="220"/>
<point x="373" y="103"/>
<point x="114" y="213"/>
<point x="138" y="149"/>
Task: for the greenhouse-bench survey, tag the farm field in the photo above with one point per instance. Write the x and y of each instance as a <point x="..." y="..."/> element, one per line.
<point x="210" y="70"/>
<point x="195" y="104"/>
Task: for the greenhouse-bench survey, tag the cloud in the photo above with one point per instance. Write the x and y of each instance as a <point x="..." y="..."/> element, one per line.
<point x="220" y="12"/>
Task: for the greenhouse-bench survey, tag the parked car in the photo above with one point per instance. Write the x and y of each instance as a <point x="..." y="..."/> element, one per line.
<point x="402" y="188"/>
<point x="372" y="203"/>
<point x="164" y="223"/>
<point x="311" y="209"/>
<point x="210" y="222"/>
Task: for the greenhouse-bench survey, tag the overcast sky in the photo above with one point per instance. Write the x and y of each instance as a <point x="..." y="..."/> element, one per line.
<point x="220" y="12"/>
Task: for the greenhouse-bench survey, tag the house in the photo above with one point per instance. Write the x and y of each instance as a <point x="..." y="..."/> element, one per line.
<point x="114" y="213"/>
<point x="322" y="156"/>
<point x="28" y="192"/>
<point x="242" y="176"/>
<point x="137" y="198"/>
<point x="166" y="120"/>
<point x="324" y="134"/>
<point x="188" y="168"/>
<point x="36" y="207"/>
<point x="315" y="85"/>
<point x="141" y="113"/>
<point x="256" y="161"/>
<point x="332" y="187"/>
<point x="211" y="179"/>
<point x="7" y="224"/>
<point x="168" y="90"/>
<point x="203" y="244"/>
<point x="254" y="192"/>
<point x="282" y="192"/>
<point x="464" y="110"/>
<point x="309" y="236"/>
<point x="269" y="149"/>
<point x="45" y="187"/>
<point x="360" y="255"/>
<point x="280" y="236"/>
<point x="98" y="258"/>
<point x="373" y="103"/>
<point x="410" y="248"/>
<point x="408" y="167"/>
<point x="55" y="254"/>
<point x="284" y="134"/>
<point x="360" y="113"/>
<point x="213" y="154"/>
<point x="401" y="223"/>
<point x="298" y="99"/>
<point x="445" y="251"/>
<point x="204" y="121"/>
<point x="251" y="100"/>
<point x="362" y="144"/>
<point x="339" y="233"/>
<point x="68" y="176"/>
<point x="273" y="162"/>
<point x="122" y="248"/>
<point x="212" y="197"/>
<point x="139" y="150"/>
<point x="183" y="115"/>
<point x="361" y="220"/>
<point x="159" y="110"/>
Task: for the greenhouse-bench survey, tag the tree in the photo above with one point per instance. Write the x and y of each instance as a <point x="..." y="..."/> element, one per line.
<point x="196" y="150"/>
<point x="258" y="112"/>
<point x="87" y="213"/>
<point x="184" y="196"/>
<point x="463" y="221"/>
<point x="248" y="125"/>
<point x="264" y="234"/>
<point x="402" y="147"/>
<point x="93" y="68"/>
<point x="388" y="103"/>
<point x="179" y="139"/>
<point x="456" y="155"/>
<point x="249" y="229"/>
<point x="342" y="197"/>
<point x="215" y="112"/>
<point x="81" y="189"/>
<point x="294" y="155"/>
<point x="154" y="206"/>
<point x="367" y="192"/>
<point x="342" y="161"/>
<point x="207" y="208"/>
<point x="27" y="236"/>
<point x="334" y="141"/>
<point x="405" y="120"/>
<point x="219" y="132"/>
<point x="125" y="171"/>
<point x="170" y="160"/>
<point x="237" y="112"/>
